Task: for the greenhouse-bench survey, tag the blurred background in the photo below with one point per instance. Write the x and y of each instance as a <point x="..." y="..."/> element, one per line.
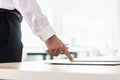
<point x="90" y="28"/>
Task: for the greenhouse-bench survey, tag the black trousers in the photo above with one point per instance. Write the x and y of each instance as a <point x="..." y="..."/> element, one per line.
<point x="10" y="36"/>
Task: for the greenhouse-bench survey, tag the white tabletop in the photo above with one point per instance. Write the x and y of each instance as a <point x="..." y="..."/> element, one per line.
<point x="43" y="71"/>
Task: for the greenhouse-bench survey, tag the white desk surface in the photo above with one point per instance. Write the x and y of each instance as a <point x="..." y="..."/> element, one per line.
<point x="42" y="71"/>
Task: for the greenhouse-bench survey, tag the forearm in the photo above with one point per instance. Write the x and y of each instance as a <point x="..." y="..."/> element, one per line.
<point x="37" y="21"/>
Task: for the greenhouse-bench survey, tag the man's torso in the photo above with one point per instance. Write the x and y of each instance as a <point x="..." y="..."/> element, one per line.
<point x="7" y="4"/>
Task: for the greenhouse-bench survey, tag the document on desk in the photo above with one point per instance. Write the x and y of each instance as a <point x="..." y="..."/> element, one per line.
<point x="86" y="62"/>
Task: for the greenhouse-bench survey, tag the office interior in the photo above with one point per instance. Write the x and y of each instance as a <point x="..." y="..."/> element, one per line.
<point x="90" y="28"/>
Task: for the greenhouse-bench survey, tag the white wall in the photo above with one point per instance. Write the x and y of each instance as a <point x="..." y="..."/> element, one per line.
<point x="117" y="29"/>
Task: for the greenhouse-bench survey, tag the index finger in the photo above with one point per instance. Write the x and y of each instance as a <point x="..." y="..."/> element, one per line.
<point x="67" y="53"/>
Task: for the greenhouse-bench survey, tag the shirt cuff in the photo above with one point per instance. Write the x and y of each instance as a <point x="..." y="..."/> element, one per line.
<point x="46" y="33"/>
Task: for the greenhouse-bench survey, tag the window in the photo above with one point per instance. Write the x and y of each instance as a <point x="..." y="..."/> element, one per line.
<point x="81" y="23"/>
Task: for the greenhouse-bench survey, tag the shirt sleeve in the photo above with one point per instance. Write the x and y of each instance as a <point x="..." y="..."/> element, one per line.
<point x="37" y="21"/>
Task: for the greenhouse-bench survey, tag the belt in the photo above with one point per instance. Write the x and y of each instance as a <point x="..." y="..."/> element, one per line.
<point x="15" y="12"/>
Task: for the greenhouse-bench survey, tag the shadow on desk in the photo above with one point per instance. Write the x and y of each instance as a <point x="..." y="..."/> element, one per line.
<point x="45" y="55"/>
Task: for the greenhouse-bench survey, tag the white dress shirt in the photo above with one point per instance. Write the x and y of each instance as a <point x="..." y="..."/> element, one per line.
<point x="32" y="13"/>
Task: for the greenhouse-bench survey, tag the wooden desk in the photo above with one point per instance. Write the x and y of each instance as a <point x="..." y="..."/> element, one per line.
<point x="43" y="71"/>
